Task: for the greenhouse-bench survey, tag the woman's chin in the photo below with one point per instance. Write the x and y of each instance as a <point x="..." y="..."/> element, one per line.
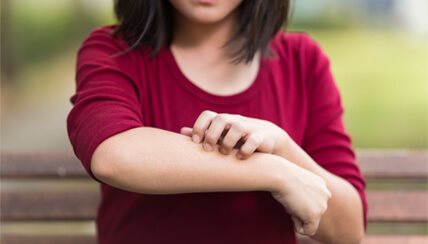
<point x="205" y="11"/>
<point x="206" y="18"/>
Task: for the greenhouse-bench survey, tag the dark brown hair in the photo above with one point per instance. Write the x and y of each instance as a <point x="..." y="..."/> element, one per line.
<point x="149" y="23"/>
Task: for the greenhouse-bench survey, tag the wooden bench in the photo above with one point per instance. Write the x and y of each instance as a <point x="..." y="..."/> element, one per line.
<point x="48" y="198"/>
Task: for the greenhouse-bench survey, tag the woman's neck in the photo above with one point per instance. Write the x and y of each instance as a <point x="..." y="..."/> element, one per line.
<point x="200" y="53"/>
<point x="201" y="36"/>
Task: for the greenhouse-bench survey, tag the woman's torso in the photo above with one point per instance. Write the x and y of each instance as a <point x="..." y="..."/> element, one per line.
<point x="170" y="101"/>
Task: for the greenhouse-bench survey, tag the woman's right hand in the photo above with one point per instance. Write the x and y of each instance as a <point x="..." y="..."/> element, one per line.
<point x="305" y="196"/>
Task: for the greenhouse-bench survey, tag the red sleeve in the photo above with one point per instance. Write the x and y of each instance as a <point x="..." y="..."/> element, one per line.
<point x="106" y="101"/>
<point x="326" y="140"/>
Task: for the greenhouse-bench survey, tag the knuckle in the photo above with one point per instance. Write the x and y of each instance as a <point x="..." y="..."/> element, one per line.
<point x="255" y="139"/>
<point x="324" y="208"/>
<point x="224" y="118"/>
<point x="197" y="129"/>
<point x="312" y="227"/>
<point x="312" y="231"/>
<point x="328" y="194"/>
<point x="312" y="215"/>
<point x="246" y="149"/>
<point x="228" y="144"/>
<point x="315" y="214"/>
<point x="321" y="211"/>
<point x="209" y="137"/>
<point x="240" y="127"/>
<point x="208" y="113"/>
<point x="324" y="191"/>
<point x="198" y="133"/>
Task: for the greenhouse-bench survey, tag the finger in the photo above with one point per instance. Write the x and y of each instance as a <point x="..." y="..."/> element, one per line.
<point x="298" y="225"/>
<point x="327" y="192"/>
<point x="231" y="139"/>
<point x="240" y="143"/>
<point x="201" y="125"/>
<point x="187" y="131"/>
<point x="251" y="144"/>
<point x="215" y="130"/>
<point x="310" y="228"/>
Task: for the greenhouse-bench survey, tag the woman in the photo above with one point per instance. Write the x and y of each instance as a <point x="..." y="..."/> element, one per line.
<point x="206" y="124"/>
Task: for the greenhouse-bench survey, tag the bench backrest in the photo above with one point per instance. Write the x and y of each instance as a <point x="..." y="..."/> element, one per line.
<point x="48" y="198"/>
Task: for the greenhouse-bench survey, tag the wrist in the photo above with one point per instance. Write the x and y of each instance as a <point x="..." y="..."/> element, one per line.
<point x="277" y="171"/>
<point x="283" y="142"/>
<point x="285" y="177"/>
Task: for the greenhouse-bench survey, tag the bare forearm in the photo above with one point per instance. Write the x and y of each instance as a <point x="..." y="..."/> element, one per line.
<point x="343" y="219"/>
<point x="150" y="160"/>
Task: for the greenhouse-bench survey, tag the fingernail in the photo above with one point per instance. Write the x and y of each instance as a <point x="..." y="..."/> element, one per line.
<point x="301" y="231"/>
<point x="196" y="138"/>
<point x="208" y="147"/>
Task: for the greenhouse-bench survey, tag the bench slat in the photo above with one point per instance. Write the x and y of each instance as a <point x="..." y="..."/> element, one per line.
<point x="65" y="204"/>
<point x="408" y="206"/>
<point x="376" y="239"/>
<point x="40" y="165"/>
<point x="49" y="205"/>
<point x="398" y="206"/>
<point x="375" y="164"/>
<point x="83" y="239"/>
<point x="88" y="239"/>
<point x="396" y="239"/>
<point x="44" y="239"/>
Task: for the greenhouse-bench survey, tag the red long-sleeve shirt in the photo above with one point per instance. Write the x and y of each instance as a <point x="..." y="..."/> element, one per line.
<point x="114" y="93"/>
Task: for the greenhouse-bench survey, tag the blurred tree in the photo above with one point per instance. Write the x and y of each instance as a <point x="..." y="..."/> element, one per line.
<point x="7" y="55"/>
<point x="34" y="31"/>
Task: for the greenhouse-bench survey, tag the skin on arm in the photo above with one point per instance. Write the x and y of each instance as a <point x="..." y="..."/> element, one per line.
<point x="154" y="161"/>
<point x="343" y="219"/>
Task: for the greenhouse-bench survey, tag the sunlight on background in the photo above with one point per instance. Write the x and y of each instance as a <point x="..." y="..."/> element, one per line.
<point x="378" y="51"/>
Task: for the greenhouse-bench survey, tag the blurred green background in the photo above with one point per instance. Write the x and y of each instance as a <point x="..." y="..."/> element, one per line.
<point x="378" y="50"/>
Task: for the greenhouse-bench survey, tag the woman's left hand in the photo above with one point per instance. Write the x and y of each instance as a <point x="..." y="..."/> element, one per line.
<point x="226" y="132"/>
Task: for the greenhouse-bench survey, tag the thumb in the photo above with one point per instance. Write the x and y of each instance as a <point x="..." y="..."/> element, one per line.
<point x="187" y="131"/>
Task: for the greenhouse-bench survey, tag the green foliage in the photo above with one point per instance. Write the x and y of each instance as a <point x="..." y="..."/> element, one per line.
<point x="39" y="33"/>
<point x="383" y="78"/>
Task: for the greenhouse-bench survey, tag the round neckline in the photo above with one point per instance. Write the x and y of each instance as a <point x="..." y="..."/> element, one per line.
<point x="197" y="91"/>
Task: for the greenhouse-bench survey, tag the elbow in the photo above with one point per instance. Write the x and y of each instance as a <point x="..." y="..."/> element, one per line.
<point x="359" y="235"/>
<point x="104" y="162"/>
<point x="118" y="162"/>
<point x="356" y="237"/>
<point x="101" y="170"/>
<point x="352" y="237"/>
<point x="354" y="232"/>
